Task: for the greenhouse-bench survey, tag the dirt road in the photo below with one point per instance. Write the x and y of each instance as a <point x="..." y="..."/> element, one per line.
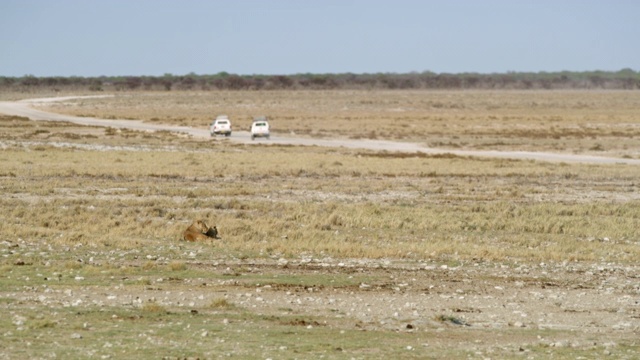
<point x="24" y="108"/>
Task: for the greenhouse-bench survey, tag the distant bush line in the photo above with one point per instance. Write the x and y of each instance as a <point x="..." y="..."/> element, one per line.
<point x="625" y="79"/>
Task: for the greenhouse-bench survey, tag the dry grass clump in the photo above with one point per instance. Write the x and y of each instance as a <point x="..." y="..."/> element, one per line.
<point x="221" y="303"/>
<point x="177" y="266"/>
<point x="154" y="308"/>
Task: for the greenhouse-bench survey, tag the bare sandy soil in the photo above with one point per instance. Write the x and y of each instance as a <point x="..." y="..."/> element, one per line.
<point x="484" y="310"/>
<point x="564" y="305"/>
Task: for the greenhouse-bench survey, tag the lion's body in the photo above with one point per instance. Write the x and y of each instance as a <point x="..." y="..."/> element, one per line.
<point x="194" y="236"/>
<point x="200" y="231"/>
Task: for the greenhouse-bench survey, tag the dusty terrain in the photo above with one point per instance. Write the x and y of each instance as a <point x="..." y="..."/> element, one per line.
<point x="25" y="108"/>
<point x="87" y="300"/>
<point x="474" y="310"/>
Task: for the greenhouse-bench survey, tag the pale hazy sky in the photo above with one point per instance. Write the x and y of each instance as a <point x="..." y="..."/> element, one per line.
<point x="154" y="37"/>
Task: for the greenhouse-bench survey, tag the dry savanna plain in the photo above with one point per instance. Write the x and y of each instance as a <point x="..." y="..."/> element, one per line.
<point x="324" y="252"/>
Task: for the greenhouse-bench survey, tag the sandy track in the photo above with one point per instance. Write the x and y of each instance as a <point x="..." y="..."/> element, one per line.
<point x="24" y="108"/>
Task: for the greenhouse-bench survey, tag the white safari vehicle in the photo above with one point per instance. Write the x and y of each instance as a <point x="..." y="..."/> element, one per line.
<point x="260" y="128"/>
<point x="221" y="126"/>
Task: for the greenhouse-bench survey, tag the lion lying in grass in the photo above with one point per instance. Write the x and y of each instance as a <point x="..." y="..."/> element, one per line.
<point x="200" y="231"/>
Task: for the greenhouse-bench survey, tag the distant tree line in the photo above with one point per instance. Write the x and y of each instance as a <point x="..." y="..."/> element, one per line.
<point x="626" y="79"/>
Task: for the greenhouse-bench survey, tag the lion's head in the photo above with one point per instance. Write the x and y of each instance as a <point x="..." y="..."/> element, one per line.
<point x="199" y="226"/>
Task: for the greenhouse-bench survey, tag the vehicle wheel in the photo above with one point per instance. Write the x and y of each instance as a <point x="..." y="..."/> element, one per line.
<point x="268" y="137"/>
<point x="227" y="134"/>
<point x="253" y="137"/>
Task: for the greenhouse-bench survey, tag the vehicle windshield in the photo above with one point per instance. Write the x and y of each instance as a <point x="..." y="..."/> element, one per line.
<point x="222" y="122"/>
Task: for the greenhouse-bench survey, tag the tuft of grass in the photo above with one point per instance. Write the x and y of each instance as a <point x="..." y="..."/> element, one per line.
<point x="149" y="265"/>
<point x="154" y="307"/>
<point x="143" y="281"/>
<point x="221" y="303"/>
<point x="73" y="265"/>
<point x="177" y="266"/>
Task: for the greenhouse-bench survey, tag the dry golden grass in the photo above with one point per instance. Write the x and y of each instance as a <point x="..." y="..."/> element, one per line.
<point x="129" y="190"/>
<point x="72" y="184"/>
<point x="596" y="122"/>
